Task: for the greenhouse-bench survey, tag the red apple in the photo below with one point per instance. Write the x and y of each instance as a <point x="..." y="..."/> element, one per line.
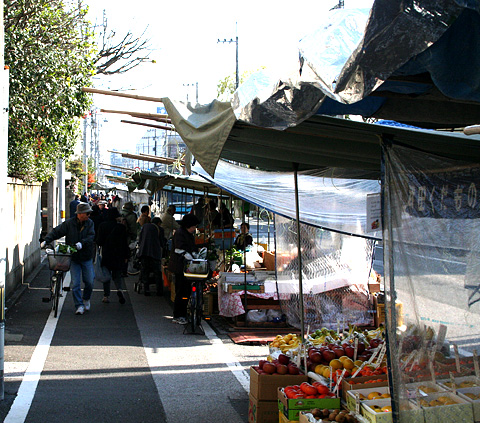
<point x="283" y="359"/>
<point x="269" y="368"/>
<point x="282" y="369"/>
<point x="328" y="355"/>
<point x="361" y="347"/>
<point x="339" y="352"/>
<point x="349" y="351"/>
<point x="261" y="363"/>
<point x="293" y="369"/>
<point x="316" y="357"/>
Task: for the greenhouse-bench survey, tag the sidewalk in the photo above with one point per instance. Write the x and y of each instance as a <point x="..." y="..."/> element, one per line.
<point x="122" y="363"/>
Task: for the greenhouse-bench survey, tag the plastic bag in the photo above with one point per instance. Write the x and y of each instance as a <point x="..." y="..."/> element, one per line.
<point x="274" y="315"/>
<point x="102" y="274"/>
<point x="257" y="316"/>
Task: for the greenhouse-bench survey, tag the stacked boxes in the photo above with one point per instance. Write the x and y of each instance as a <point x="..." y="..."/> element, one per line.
<point x="263" y="406"/>
<point x="291" y="408"/>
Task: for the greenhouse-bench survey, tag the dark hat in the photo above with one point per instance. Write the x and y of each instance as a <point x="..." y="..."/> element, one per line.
<point x="83" y="208"/>
<point x="113" y="213"/>
<point x="128" y="205"/>
<point x="189" y="220"/>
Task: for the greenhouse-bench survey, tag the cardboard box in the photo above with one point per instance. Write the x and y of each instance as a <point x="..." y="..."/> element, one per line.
<point x="462" y="411"/>
<point x="207" y="304"/>
<point x="376" y="417"/>
<point x="360" y="383"/>
<point x="264" y="387"/>
<point x="363" y="393"/>
<point x="475" y="402"/>
<point x="283" y="419"/>
<point x="262" y="411"/>
<point x="269" y="260"/>
<point x="291" y="408"/>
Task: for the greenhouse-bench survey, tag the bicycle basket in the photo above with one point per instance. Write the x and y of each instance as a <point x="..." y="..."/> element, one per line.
<point x="58" y="261"/>
<point x="196" y="268"/>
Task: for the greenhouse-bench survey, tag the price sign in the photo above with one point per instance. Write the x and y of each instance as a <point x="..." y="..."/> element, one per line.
<point x="475" y="363"/>
<point x="357" y="402"/>
<point x="442" y="333"/>
<point x="431" y="366"/>
<point x="381" y="355"/>
<point x="453" y="384"/>
<point x="356" y="350"/>
<point x="457" y="357"/>
<point x="360" y="368"/>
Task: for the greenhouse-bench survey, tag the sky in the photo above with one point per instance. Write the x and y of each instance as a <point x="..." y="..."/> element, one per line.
<point x="184" y="38"/>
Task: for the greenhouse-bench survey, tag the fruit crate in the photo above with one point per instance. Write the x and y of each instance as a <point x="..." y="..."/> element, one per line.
<point x="461" y="411"/>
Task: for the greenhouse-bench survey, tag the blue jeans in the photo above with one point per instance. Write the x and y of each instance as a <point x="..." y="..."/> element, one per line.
<point x="82" y="271"/>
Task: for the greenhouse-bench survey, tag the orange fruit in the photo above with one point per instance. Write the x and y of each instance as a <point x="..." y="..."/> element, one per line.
<point x="348" y="364"/>
<point x="319" y="369"/>
<point x="374" y="394"/>
<point x="326" y="372"/>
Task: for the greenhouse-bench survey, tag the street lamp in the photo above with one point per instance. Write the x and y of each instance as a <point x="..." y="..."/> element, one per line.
<point x="231" y="40"/>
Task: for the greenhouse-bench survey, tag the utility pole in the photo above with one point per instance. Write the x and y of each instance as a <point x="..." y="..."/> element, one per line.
<point x="231" y="40"/>
<point x="3" y="193"/>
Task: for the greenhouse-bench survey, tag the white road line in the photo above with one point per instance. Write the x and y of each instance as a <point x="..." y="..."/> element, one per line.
<point x="20" y="407"/>
<point x="232" y="363"/>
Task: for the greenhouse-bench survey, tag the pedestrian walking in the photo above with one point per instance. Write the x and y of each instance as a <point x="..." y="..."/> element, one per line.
<point x="151" y="243"/>
<point x="79" y="232"/>
<point x="144" y="217"/>
<point x="112" y="238"/>
<point x="182" y="248"/>
<point x="130" y="220"/>
<point x="73" y="205"/>
<point x="169" y="224"/>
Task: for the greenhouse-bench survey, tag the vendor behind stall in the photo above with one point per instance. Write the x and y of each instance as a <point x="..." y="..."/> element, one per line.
<point x="244" y="239"/>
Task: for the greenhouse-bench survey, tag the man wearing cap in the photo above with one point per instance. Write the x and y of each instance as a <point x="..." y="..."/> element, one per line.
<point x="79" y="232"/>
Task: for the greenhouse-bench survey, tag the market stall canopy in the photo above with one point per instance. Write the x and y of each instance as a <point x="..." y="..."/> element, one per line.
<point x="412" y="62"/>
<point x="155" y="181"/>
<point x="325" y="201"/>
<point x="345" y="147"/>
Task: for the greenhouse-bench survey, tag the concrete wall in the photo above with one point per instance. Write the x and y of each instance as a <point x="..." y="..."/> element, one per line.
<point x="22" y="230"/>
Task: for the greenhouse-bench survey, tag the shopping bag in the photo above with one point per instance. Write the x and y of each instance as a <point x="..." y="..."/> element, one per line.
<point x="102" y="274"/>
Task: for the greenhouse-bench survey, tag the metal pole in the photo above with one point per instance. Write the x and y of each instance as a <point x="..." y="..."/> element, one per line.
<point x="236" y="57"/>
<point x="3" y="192"/>
<point x="61" y="189"/>
<point x="85" y="165"/>
<point x="300" y="278"/>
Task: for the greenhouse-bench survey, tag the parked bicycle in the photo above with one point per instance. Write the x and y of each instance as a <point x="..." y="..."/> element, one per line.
<point x="197" y="271"/>
<point x="59" y="263"/>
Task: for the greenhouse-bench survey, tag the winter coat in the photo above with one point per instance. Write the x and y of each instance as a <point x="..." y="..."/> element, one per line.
<point x="151" y="241"/>
<point x="169" y="224"/>
<point x="131" y="222"/>
<point x="182" y="240"/>
<point x="75" y="231"/>
<point x="112" y="237"/>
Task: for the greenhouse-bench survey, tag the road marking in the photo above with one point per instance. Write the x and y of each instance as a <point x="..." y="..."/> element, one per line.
<point x="232" y="363"/>
<point x="21" y="405"/>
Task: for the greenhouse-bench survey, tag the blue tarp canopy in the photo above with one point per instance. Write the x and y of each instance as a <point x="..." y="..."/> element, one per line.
<point x="412" y="62"/>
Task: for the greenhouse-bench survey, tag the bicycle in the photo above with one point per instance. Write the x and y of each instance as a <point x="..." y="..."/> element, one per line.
<point x="197" y="271"/>
<point x="133" y="267"/>
<point x="59" y="264"/>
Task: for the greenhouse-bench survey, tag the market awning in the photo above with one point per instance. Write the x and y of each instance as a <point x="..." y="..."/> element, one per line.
<point x="346" y="147"/>
<point x="416" y="64"/>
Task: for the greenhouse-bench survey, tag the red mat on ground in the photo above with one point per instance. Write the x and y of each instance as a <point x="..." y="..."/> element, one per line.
<point x="259" y="336"/>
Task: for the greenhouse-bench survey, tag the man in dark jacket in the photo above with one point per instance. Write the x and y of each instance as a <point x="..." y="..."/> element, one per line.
<point x="78" y="231"/>
<point x="151" y="243"/>
<point x="73" y="205"/>
<point x="183" y="247"/>
<point x="112" y="237"/>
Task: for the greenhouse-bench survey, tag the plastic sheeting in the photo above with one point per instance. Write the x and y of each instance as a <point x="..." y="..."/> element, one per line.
<point x="432" y="268"/>
<point x="333" y="203"/>
<point x="354" y="53"/>
<point x="335" y="272"/>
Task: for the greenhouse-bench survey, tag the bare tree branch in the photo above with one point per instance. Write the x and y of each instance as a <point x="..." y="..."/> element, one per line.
<point x="119" y="57"/>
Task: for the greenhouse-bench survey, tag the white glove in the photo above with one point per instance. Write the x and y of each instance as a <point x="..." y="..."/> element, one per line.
<point x="79" y="246"/>
<point x="42" y="244"/>
<point x="188" y="256"/>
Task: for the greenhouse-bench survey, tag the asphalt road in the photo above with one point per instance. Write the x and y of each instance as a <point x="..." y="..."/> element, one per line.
<point x="118" y="363"/>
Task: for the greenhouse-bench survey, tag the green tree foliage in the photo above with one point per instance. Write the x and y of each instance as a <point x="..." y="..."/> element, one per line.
<point x="226" y="87"/>
<point x="49" y="50"/>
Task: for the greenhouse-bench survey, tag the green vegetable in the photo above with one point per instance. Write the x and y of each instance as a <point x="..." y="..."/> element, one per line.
<point x="65" y="249"/>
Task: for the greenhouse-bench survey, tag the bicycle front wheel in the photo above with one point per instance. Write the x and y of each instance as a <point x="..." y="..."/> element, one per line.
<point x="57" y="292"/>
